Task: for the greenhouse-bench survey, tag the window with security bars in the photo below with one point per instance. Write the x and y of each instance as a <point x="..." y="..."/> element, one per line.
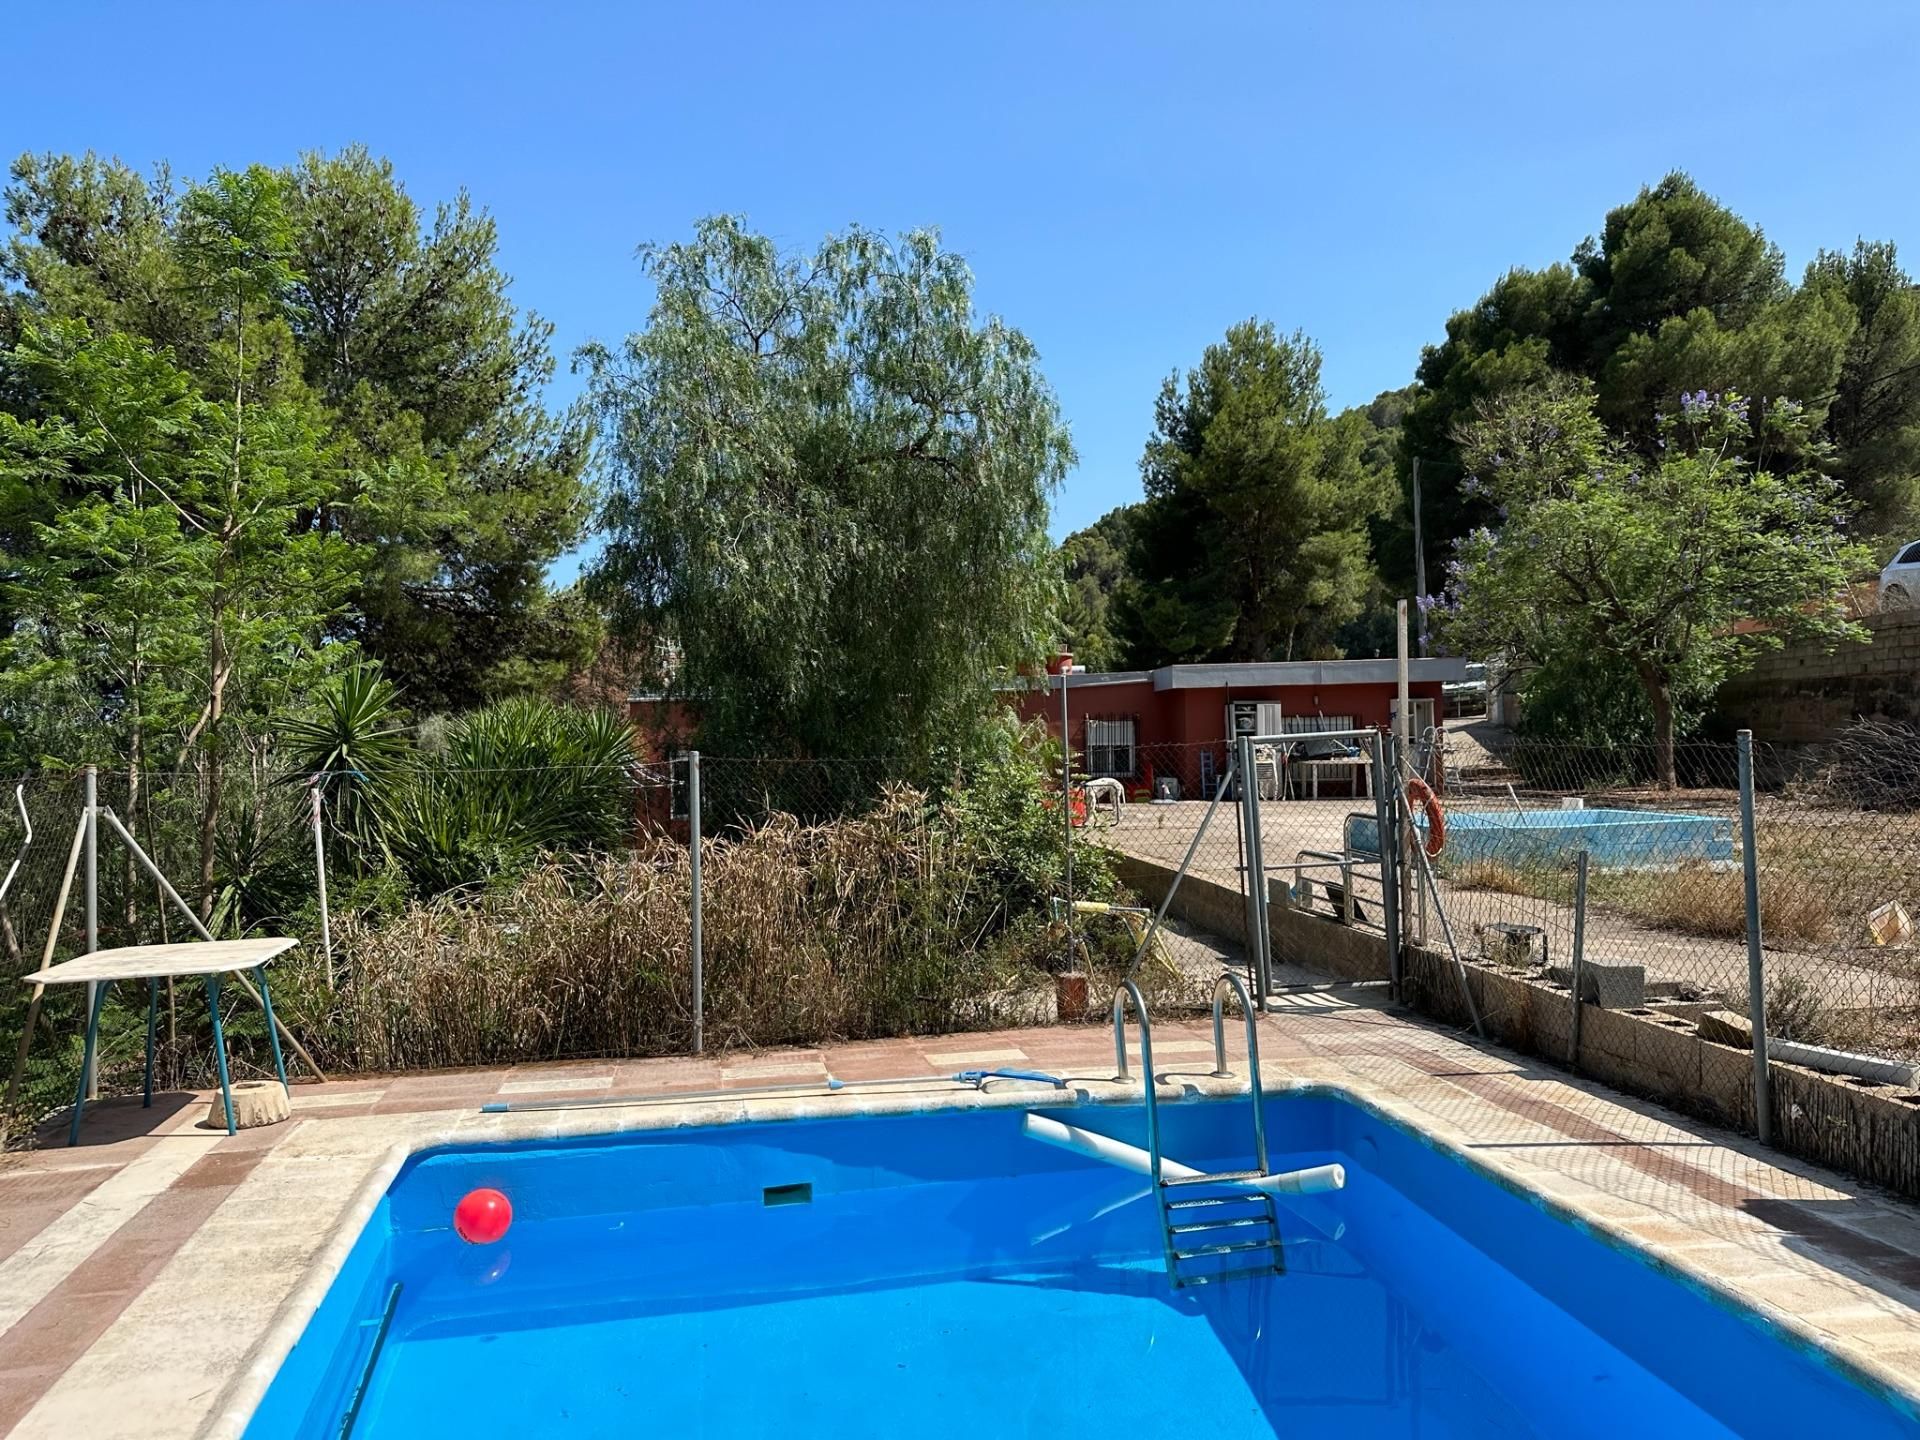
<point x="1110" y="749"/>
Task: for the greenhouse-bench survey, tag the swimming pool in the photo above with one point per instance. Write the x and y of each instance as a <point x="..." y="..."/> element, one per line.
<point x="1617" y="839"/>
<point x="938" y="1275"/>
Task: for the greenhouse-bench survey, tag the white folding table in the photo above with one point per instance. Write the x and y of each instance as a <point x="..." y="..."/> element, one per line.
<point x="1360" y="766"/>
<point x="154" y="963"/>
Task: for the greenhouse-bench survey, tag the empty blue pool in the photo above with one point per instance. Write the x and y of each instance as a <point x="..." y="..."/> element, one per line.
<point x="938" y="1275"/>
<point x="1617" y="839"/>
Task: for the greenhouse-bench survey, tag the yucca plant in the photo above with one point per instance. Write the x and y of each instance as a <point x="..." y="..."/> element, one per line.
<point x="352" y="744"/>
<point x="517" y="779"/>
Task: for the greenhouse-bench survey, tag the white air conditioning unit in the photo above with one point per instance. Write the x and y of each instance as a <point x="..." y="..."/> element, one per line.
<point x="1253" y="717"/>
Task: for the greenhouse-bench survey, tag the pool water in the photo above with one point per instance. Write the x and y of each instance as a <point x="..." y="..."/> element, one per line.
<point x="939" y="1275"/>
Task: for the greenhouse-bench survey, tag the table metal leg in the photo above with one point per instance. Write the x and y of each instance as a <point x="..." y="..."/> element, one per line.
<point x="220" y="1049"/>
<point x="153" y="1020"/>
<point x="86" y="1058"/>
<point x="273" y="1031"/>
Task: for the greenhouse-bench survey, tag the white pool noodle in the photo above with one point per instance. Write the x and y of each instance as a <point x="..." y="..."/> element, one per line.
<point x="1314" y="1180"/>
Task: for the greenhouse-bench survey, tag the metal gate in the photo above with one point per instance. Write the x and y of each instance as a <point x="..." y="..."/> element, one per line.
<point x="1298" y="852"/>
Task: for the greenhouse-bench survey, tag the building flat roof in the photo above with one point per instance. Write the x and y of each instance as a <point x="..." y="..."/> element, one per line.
<point x="1275" y="672"/>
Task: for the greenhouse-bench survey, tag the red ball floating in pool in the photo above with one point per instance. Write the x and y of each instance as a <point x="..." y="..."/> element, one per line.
<point x="482" y="1216"/>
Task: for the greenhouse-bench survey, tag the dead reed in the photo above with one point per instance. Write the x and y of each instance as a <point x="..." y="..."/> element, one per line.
<point x="882" y="924"/>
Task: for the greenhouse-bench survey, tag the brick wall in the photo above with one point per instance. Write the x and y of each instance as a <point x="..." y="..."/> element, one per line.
<point x="1802" y="694"/>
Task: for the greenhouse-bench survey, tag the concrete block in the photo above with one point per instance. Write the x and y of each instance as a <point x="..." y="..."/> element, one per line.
<point x="1505" y="1004"/>
<point x="1610" y="983"/>
<point x="1725" y="1091"/>
<point x="1724" y="1027"/>
<point x="1871" y="1132"/>
<point x="1550" y="1018"/>
<point x="1637" y="1054"/>
<point x="1613" y="984"/>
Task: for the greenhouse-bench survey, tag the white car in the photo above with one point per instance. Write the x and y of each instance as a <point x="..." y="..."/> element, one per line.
<point x="1900" y="581"/>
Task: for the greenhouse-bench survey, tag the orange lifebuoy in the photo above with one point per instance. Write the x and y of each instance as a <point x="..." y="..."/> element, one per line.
<point x="1421" y="794"/>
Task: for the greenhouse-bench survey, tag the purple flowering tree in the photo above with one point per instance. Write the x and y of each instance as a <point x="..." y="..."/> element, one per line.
<point x="1683" y="564"/>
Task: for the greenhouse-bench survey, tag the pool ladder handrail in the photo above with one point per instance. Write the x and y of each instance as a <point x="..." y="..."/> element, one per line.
<point x="1228" y="1210"/>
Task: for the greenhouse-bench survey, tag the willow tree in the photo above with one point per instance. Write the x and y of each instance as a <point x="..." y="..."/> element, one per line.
<point x="826" y="492"/>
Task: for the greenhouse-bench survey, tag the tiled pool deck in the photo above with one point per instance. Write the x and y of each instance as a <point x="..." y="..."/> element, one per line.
<point x="151" y="1277"/>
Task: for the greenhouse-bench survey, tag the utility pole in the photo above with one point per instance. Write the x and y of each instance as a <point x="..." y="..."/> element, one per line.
<point x="1402" y="749"/>
<point x="1419" y="565"/>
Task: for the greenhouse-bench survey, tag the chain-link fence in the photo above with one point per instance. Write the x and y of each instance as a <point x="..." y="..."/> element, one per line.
<point x="1317" y="821"/>
<point x="1664" y="889"/>
<point x="459" y="918"/>
<point x="452" y="918"/>
<point x="1837" y="839"/>
<point x="1835" y="843"/>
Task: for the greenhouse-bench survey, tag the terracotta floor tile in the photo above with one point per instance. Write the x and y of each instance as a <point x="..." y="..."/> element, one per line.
<point x="58" y="1330"/>
<point x="30" y="1200"/>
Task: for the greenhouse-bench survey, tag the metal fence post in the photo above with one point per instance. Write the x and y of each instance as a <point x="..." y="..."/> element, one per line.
<point x="320" y="875"/>
<point x="693" y="853"/>
<point x="1260" y="939"/>
<point x="1406" y="872"/>
<point x="93" y="909"/>
<point x="1756" y="958"/>
<point x="1238" y="766"/>
<point x="1384" y="830"/>
<point x="1579" y="955"/>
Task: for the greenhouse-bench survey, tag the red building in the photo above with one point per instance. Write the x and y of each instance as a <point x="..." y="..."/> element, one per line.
<point x="1142" y="726"/>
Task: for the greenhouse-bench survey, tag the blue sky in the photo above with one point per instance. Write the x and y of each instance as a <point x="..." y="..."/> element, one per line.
<point x="1126" y="180"/>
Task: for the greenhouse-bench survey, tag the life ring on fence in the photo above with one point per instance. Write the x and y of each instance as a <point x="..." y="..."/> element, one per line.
<point x="1421" y="794"/>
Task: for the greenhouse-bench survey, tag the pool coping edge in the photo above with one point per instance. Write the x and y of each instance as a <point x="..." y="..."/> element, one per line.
<point x="240" y="1398"/>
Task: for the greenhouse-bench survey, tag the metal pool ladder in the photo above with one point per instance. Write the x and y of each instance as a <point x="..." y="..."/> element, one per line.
<point x="1213" y="1227"/>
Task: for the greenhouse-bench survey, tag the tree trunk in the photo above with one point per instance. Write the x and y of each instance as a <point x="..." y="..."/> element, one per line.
<point x="216" y="708"/>
<point x="136" y="759"/>
<point x="216" y="633"/>
<point x="1662" y="702"/>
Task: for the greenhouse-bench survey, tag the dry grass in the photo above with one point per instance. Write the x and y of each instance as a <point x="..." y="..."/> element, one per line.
<point x="883" y="924"/>
<point x="1689" y="899"/>
<point x="1704" y="900"/>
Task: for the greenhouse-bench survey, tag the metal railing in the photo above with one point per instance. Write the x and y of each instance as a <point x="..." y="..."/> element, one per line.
<point x="1230" y="985"/>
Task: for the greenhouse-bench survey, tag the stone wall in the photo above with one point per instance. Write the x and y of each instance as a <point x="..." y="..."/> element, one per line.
<point x="1339" y="951"/>
<point x="1857" y="1126"/>
<point x="1803" y="694"/>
